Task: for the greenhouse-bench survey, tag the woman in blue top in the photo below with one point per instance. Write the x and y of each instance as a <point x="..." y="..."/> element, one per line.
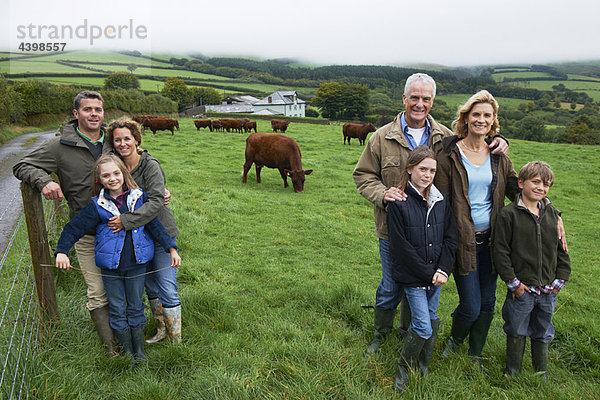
<point x="122" y="256"/>
<point x="423" y="238"/>
<point x="476" y="183"/>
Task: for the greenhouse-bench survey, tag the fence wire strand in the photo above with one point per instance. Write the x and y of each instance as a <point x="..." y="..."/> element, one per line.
<point x="19" y="310"/>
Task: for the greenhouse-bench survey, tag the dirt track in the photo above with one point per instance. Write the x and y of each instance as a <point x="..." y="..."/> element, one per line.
<point x="10" y="192"/>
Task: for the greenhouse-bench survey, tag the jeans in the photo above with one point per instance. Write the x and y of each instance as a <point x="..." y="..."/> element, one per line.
<point x="389" y="293"/>
<point x="162" y="284"/>
<point x="477" y="289"/>
<point x="124" y="288"/>
<point x="530" y="315"/>
<point x="423" y="305"/>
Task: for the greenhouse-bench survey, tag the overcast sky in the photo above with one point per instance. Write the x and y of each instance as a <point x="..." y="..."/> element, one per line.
<point x="391" y="32"/>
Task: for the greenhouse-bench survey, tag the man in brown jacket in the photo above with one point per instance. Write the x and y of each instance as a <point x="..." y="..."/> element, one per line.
<point x="72" y="157"/>
<point x="377" y="175"/>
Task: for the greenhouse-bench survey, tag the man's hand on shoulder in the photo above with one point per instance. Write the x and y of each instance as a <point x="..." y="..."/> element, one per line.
<point x="393" y="194"/>
<point x="52" y="191"/>
<point x="499" y="146"/>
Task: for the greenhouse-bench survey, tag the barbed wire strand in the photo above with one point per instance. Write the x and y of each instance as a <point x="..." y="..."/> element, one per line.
<point x="112" y="276"/>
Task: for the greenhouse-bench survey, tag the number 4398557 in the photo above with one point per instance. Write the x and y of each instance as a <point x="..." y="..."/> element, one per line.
<point x="49" y="46"/>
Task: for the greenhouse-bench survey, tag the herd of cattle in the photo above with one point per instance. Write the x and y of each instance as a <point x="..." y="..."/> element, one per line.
<point x="270" y="150"/>
<point x="215" y="125"/>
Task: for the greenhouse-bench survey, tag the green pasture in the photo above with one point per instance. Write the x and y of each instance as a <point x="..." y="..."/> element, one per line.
<point x="38" y="65"/>
<point x="499" y="76"/>
<point x="455" y="100"/>
<point x="506" y="69"/>
<point x="145" y="84"/>
<point x="273" y="282"/>
<point x="591" y="88"/>
<point x="179" y="73"/>
<point x="589" y="78"/>
<point x="106" y="56"/>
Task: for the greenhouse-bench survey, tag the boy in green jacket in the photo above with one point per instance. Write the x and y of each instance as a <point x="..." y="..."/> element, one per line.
<point x="530" y="258"/>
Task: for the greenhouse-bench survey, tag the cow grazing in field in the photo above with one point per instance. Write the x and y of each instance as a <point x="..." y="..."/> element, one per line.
<point x="359" y="131"/>
<point x="140" y="118"/>
<point x="203" y="123"/>
<point x="231" y="124"/>
<point x="161" y="124"/>
<point x="216" y="125"/>
<point x="275" y="151"/>
<point x="279" y="125"/>
<point x="249" y="125"/>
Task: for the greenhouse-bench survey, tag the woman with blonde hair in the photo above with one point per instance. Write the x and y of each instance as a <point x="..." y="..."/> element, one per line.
<point x="476" y="183"/>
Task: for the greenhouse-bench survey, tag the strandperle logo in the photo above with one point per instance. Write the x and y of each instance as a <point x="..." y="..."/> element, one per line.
<point x="82" y="31"/>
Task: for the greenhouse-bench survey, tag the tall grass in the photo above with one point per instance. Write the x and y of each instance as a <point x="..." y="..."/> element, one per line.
<point x="272" y="284"/>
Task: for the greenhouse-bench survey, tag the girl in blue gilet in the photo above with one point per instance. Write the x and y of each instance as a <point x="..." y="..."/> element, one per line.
<point x="122" y="256"/>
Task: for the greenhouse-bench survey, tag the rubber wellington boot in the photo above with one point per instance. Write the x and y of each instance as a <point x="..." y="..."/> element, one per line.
<point x="124" y="339"/>
<point x="539" y="358"/>
<point x="172" y="317"/>
<point x="105" y="332"/>
<point x="458" y="334"/>
<point x="478" y="335"/>
<point x="137" y="342"/>
<point x="383" y="324"/>
<point x="157" y="312"/>
<point x="412" y="347"/>
<point x="428" y="347"/>
<point x="405" y="317"/>
<point x="515" y="347"/>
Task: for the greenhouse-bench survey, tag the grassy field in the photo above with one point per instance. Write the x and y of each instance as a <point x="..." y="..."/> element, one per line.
<point x="272" y="284"/>
<point x="38" y="65"/>
<point x="591" y="88"/>
<point x="499" y="75"/>
<point x="455" y="100"/>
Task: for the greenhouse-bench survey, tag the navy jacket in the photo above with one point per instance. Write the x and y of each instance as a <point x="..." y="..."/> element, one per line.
<point x="422" y="238"/>
<point x="109" y="246"/>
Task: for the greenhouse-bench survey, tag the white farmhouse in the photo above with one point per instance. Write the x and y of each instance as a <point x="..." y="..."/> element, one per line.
<point x="281" y="103"/>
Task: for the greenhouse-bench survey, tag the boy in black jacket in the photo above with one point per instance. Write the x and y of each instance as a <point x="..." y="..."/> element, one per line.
<point x="530" y="258"/>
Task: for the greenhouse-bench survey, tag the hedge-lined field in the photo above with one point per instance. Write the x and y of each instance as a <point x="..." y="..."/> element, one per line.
<point x="272" y="284"/>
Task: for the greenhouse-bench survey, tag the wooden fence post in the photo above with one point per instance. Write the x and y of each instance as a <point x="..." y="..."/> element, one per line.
<point x="40" y="251"/>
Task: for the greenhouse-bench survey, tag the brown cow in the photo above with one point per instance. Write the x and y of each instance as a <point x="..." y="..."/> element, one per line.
<point x="279" y="125"/>
<point x="229" y="124"/>
<point x="203" y="123"/>
<point x="249" y="125"/>
<point x="275" y="151"/>
<point x="140" y="118"/>
<point x="161" y="124"/>
<point x="216" y="125"/>
<point x="357" y="131"/>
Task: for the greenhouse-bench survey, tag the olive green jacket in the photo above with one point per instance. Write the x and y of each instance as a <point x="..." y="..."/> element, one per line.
<point x="70" y="158"/>
<point x="382" y="162"/>
<point x="529" y="248"/>
<point x="149" y="175"/>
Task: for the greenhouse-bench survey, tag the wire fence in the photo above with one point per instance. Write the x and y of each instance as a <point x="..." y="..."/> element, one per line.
<point x="20" y="321"/>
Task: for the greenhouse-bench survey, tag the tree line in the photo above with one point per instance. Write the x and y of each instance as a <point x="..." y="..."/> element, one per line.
<point x="23" y="99"/>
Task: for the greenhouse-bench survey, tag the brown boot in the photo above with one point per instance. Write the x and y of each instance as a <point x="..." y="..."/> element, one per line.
<point x="157" y="311"/>
<point x="100" y="319"/>
<point x="172" y="317"/>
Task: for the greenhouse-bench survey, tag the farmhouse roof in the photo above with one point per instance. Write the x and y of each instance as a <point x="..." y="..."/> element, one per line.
<point x="268" y="111"/>
<point x="243" y="99"/>
<point x="280" y="97"/>
<point x="231" y="108"/>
